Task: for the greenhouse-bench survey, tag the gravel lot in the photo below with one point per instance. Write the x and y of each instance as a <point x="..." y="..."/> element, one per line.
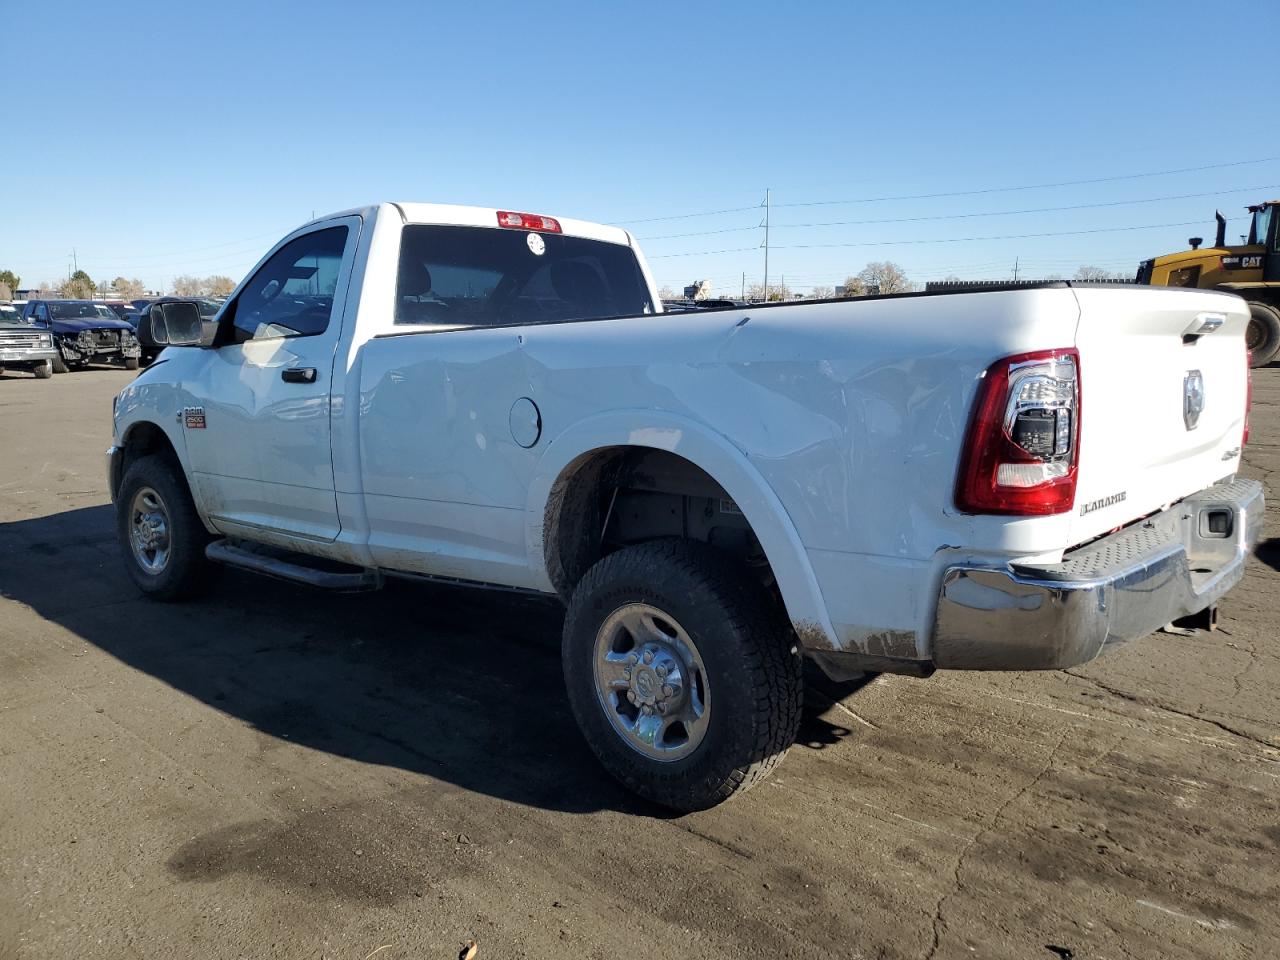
<point x="274" y="772"/>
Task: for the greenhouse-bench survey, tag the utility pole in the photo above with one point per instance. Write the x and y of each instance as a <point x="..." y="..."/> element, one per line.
<point x="1015" y="269"/>
<point x="764" y="292"/>
<point x="744" y="286"/>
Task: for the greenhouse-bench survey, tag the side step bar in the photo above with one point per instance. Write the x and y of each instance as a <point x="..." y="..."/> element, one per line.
<point x="283" y="567"/>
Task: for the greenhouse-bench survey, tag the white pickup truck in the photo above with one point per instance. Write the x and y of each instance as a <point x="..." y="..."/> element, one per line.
<point x="999" y="480"/>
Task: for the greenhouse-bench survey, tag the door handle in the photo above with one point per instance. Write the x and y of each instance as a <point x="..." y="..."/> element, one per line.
<point x="298" y="374"/>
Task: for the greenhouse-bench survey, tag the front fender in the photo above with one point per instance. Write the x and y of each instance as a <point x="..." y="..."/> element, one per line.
<point x="726" y="464"/>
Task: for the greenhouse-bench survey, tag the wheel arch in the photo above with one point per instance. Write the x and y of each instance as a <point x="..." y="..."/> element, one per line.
<point x="559" y="531"/>
<point x="144" y="438"/>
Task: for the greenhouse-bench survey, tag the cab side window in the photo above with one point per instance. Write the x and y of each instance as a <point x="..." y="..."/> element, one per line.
<point x="292" y="294"/>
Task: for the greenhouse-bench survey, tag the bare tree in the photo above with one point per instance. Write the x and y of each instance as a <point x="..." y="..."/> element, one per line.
<point x="777" y="291"/>
<point x="666" y="293"/>
<point x="821" y="293"/>
<point x="219" y="286"/>
<point x="79" y="286"/>
<point x="886" y="277"/>
<point x="133" y="289"/>
<point x="853" y="287"/>
<point x="1089" y="274"/>
<point x="185" y="286"/>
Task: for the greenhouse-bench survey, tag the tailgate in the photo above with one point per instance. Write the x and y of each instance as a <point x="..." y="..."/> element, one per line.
<point x="1142" y="377"/>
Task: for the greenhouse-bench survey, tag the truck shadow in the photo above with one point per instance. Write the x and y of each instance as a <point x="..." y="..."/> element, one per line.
<point x="461" y="685"/>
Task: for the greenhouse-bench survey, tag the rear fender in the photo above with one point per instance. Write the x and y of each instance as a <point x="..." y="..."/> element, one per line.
<point x="727" y="465"/>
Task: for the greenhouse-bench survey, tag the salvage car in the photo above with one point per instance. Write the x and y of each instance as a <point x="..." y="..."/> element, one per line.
<point x="83" y="335"/>
<point x="24" y="347"/>
<point x="889" y="484"/>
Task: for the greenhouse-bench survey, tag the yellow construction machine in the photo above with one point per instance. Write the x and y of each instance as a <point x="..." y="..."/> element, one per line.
<point x="1251" y="269"/>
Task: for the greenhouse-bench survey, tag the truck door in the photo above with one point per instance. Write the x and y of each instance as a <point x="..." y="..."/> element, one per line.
<point x="258" y="431"/>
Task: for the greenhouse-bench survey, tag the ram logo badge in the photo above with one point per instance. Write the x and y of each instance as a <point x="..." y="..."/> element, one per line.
<point x="193" y="418"/>
<point x="1192" y="398"/>
<point x="1098" y="504"/>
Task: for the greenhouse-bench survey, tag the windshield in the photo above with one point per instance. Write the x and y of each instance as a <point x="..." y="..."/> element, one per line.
<point x="75" y="311"/>
<point x="8" y="314"/>
<point x="106" y="312"/>
<point x="482" y="276"/>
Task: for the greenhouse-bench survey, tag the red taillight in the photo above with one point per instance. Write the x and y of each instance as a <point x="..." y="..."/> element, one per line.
<point x="1023" y="446"/>
<point x="527" y="221"/>
<point x="1248" y="395"/>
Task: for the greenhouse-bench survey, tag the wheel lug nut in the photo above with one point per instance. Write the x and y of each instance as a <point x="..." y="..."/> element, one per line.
<point x="648" y="656"/>
<point x="662" y="670"/>
<point x="633" y="659"/>
<point x="631" y="695"/>
<point x="662" y="708"/>
<point x="667" y="691"/>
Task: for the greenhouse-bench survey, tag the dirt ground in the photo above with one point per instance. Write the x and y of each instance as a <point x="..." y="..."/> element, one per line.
<point x="273" y="772"/>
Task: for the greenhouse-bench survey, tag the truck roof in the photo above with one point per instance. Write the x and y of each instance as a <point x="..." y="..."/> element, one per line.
<point x="464" y="216"/>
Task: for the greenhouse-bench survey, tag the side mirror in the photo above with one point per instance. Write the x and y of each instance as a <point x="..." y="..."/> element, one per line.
<point x="177" y="324"/>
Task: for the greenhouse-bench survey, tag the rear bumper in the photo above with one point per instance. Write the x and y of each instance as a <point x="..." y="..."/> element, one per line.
<point x="1122" y="587"/>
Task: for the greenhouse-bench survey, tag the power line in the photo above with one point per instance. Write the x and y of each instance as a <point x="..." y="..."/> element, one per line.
<point x="892" y="243"/>
<point x="1032" y="186"/>
<point x="967" y="216"/>
<point x="963" y="193"/>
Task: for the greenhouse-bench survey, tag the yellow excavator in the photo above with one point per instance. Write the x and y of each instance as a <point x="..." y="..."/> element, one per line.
<point x="1251" y="269"/>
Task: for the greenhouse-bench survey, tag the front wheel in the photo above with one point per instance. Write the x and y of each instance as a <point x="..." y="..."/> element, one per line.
<point x="43" y="370"/>
<point x="59" y="365"/>
<point x="1263" y="334"/>
<point x="160" y="532"/>
<point x="685" y="681"/>
<point x="131" y="363"/>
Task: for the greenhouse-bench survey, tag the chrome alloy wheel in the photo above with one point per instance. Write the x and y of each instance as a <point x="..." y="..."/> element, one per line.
<point x="651" y="682"/>
<point x="149" y="530"/>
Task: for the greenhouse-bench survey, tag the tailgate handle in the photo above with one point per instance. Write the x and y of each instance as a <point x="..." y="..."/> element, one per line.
<point x="1204" y="323"/>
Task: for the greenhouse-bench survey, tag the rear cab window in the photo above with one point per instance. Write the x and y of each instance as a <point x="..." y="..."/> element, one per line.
<point x="487" y="276"/>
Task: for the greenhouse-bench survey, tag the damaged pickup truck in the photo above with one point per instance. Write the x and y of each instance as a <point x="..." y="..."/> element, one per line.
<point x="999" y="480"/>
<point x="82" y="335"/>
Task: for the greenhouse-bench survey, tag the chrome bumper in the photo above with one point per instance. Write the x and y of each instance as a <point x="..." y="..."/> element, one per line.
<point x="26" y="354"/>
<point x="1125" y="586"/>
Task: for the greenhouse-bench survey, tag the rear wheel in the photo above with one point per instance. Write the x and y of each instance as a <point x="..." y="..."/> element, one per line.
<point x="43" y="370"/>
<point x="131" y="363"/>
<point x="160" y="532"/>
<point x="1263" y="334"/>
<point x="685" y="681"/>
<point x="59" y="365"/>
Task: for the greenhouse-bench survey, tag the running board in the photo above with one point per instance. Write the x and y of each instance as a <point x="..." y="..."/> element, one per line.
<point x="286" y="567"/>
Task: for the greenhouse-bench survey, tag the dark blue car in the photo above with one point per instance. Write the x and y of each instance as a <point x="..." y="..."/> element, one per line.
<point x="82" y="335"/>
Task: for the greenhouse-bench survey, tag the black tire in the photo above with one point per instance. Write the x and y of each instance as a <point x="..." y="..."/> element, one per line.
<point x="59" y="365"/>
<point x="1263" y="335"/>
<point x="753" y="670"/>
<point x="186" y="571"/>
<point x="43" y="370"/>
<point x="131" y="363"/>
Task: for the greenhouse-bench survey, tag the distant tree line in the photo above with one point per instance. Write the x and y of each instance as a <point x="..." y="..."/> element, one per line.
<point x="80" y="286"/>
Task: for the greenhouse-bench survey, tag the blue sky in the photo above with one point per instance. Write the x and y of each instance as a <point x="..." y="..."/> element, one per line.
<point x="167" y="138"/>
